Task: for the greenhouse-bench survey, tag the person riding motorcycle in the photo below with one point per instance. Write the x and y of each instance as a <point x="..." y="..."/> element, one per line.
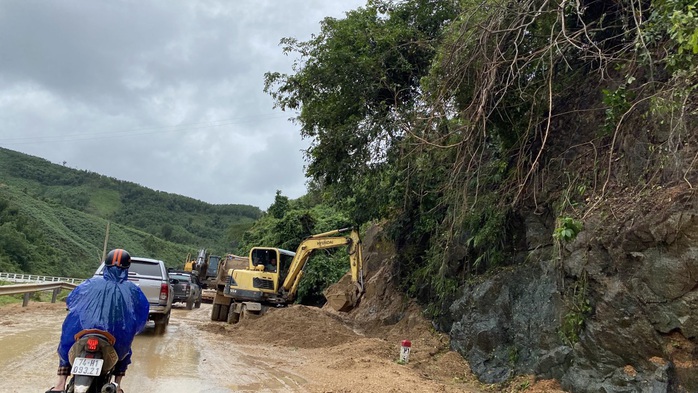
<point x="110" y="303"/>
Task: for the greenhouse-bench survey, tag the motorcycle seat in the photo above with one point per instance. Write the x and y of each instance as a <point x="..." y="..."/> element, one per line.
<point x="107" y="336"/>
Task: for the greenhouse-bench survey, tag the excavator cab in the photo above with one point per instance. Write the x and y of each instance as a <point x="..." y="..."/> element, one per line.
<point x="271" y="260"/>
<point x="264" y="260"/>
<point x="212" y="265"/>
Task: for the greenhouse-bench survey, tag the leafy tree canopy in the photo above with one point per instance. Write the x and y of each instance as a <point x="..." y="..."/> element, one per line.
<point x="354" y="80"/>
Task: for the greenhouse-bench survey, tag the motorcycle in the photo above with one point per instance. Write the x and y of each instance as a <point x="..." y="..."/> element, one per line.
<point x="93" y="358"/>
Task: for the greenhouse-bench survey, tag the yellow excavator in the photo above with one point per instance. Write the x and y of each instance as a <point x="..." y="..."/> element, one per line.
<point x="198" y="264"/>
<point x="272" y="276"/>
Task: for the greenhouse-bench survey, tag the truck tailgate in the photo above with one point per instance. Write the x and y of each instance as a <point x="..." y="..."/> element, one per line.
<point x="150" y="287"/>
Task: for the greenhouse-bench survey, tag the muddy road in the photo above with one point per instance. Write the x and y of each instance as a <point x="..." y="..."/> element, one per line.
<point x="184" y="359"/>
<point x="297" y="349"/>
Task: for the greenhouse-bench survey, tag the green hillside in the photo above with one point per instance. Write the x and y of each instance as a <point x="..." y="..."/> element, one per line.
<point x="53" y="219"/>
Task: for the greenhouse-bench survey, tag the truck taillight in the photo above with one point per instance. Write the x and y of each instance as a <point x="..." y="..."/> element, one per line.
<point x="186" y="291"/>
<point x="164" y="291"/>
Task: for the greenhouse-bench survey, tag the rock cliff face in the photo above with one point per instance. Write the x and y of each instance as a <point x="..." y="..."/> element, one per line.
<point x="615" y="310"/>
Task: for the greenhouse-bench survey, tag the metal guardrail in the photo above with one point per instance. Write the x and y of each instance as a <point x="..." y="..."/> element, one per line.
<point x="21" y="277"/>
<point x="29" y="289"/>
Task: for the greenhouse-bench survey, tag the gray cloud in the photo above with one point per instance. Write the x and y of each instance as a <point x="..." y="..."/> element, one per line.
<point x="174" y="88"/>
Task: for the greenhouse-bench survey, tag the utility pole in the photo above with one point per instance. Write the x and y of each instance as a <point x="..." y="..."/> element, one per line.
<point x="106" y="240"/>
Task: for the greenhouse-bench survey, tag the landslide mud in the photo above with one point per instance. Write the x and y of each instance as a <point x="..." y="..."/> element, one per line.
<point x="297" y="349"/>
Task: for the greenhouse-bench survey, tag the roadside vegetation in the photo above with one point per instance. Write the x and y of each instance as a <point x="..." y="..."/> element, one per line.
<point x="452" y="120"/>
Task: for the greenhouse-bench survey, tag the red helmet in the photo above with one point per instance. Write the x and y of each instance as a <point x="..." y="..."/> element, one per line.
<point x="118" y="257"/>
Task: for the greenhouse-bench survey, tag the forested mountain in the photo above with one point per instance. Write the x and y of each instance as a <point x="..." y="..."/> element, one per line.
<point x="53" y="219"/>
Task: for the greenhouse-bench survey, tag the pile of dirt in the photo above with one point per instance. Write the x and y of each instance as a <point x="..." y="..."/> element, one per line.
<point x="330" y="335"/>
<point x="295" y="326"/>
<point x="384" y="312"/>
<point x="386" y="317"/>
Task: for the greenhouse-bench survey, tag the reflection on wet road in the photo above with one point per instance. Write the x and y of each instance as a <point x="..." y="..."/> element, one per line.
<point x="188" y="359"/>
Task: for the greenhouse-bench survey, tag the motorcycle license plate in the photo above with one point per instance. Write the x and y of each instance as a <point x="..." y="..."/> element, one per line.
<point x="85" y="366"/>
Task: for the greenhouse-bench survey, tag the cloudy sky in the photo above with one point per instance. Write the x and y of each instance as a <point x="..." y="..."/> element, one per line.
<point x="163" y="93"/>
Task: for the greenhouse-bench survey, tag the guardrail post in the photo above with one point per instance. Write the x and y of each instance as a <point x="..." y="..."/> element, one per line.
<point x="25" y="299"/>
<point x="55" y="295"/>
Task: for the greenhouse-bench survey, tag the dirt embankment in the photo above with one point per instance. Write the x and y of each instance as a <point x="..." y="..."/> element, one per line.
<point x="341" y="358"/>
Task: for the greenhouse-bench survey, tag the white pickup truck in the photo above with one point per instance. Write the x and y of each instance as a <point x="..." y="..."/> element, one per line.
<point x="152" y="277"/>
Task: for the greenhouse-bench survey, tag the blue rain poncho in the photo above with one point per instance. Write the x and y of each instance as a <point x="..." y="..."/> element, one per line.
<point x="110" y="303"/>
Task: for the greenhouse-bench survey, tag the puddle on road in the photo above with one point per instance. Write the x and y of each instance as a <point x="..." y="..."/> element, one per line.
<point x="169" y="363"/>
<point x="183" y="360"/>
<point x="167" y="355"/>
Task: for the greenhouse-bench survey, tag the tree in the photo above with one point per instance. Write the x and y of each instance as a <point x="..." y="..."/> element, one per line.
<point x="354" y="84"/>
<point x="280" y="205"/>
<point x="166" y="231"/>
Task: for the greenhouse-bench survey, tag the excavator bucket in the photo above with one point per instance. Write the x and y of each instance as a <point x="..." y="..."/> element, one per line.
<point x="343" y="296"/>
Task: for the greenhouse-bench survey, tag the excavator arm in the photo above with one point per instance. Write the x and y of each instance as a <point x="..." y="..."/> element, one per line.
<point x="324" y="241"/>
